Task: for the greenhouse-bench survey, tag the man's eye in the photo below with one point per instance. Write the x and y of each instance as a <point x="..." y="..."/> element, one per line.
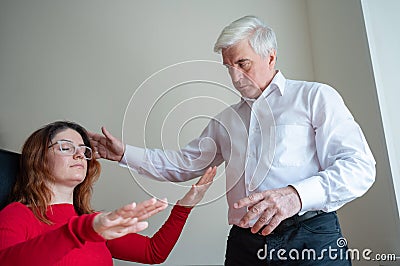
<point x="245" y="65"/>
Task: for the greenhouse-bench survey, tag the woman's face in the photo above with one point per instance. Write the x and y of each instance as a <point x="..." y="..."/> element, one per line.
<point x="68" y="169"/>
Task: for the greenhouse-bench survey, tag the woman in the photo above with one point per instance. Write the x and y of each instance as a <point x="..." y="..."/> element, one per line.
<point x="50" y="221"/>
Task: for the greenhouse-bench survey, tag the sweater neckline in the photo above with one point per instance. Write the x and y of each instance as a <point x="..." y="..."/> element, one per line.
<point x="60" y="212"/>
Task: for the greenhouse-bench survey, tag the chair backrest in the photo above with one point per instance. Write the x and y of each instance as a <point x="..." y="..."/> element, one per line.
<point x="9" y="164"/>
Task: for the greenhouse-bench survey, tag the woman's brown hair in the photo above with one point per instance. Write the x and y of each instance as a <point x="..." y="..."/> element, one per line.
<point x="34" y="174"/>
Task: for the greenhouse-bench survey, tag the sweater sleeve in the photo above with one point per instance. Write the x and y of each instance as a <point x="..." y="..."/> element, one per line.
<point x="21" y="237"/>
<point x="154" y="250"/>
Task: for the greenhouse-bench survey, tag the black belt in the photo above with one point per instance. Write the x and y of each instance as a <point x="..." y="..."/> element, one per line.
<point x="285" y="224"/>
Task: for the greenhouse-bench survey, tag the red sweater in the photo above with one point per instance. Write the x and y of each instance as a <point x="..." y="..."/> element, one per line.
<point x="71" y="240"/>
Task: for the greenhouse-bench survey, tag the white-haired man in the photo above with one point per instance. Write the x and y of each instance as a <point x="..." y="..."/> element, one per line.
<point x="293" y="155"/>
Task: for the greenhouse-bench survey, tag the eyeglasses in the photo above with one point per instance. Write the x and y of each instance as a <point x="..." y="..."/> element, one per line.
<point x="66" y="148"/>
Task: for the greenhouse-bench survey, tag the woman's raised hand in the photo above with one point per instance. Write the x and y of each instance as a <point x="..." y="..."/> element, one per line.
<point x="198" y="190"/>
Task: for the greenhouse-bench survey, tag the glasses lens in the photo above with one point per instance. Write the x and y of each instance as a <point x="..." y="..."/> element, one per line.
<point x="67" y="148"/>
<point x="87" y="153"/>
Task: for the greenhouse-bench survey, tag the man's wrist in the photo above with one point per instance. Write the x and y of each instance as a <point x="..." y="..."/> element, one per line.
<point x="297" y="198"/>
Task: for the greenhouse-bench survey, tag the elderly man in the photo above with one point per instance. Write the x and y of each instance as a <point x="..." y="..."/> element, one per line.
<point x="293" y="155"/>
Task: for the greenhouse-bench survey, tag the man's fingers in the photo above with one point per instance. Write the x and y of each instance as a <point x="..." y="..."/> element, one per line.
<point x="273" y="223"/>
<point x="93" y="136"/>
<point x="264" y="219"/>
<point x="97" y="155"/>
<point x="94" y="139"/>
<point x="256" y="211"/>
<point x="248" y="201"/>
<point x="251" y="214"/>
<point x="107" y="134"/>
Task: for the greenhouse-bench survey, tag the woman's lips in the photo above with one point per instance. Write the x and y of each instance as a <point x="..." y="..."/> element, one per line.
<point x="78" y="165"/>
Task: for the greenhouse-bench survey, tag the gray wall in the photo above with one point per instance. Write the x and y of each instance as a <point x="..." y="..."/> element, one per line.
<point x="86" y="61"/>
<point x="341" y="57"/>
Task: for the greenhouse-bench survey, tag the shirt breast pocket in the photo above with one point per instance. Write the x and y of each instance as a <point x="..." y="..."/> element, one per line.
<point x="293" y="145"/>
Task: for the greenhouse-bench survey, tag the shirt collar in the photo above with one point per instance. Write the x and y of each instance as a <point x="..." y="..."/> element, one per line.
<point x="278" y="82"/>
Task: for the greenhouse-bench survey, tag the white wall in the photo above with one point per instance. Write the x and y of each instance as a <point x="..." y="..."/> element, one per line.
<point x="341" y="58"/>
<point x="83" y="60"/>
<point x="384" y="42"/>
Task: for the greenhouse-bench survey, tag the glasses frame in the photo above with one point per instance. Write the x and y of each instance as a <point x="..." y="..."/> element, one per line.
<point x="76" y="149"/>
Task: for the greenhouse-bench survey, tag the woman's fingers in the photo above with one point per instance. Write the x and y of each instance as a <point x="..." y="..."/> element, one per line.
<point x="208" y="177"/>
<point x="158" y="207"/>
<point x="127" y="219"/>
<point x="197" y="191"/>
<point x="141" y="211"/>
<point x="206" y="180"/>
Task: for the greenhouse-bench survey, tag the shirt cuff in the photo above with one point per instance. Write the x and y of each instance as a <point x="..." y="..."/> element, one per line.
<point x="133" y="157"/>
<point x="312" y="194"/>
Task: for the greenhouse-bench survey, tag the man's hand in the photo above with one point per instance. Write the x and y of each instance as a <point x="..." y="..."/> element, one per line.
<point x="127" y="219"/>
<point x="271" y="207"/>
<point x="197" y="191"/>
<point x="107" y="146"/>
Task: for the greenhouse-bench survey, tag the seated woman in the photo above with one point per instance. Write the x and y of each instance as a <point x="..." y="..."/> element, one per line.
<point x="50" y="221"/>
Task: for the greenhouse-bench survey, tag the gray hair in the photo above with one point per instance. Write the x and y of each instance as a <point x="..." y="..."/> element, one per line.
<point x="261" y="37"/>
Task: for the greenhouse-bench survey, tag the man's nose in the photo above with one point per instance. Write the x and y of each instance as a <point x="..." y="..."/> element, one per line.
<point x="235" y="74"/>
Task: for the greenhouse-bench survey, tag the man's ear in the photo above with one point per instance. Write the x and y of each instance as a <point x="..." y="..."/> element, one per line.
<point x="272" y="59"/>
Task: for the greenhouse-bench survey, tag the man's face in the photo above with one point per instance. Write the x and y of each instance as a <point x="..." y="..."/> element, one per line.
<point x="250" y="72"/>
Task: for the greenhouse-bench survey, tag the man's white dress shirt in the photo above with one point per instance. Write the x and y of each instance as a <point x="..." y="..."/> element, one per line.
<point x="296" y="133"/>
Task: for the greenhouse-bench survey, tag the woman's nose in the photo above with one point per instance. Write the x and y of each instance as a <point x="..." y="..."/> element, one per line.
<point x="79" y="153"/>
